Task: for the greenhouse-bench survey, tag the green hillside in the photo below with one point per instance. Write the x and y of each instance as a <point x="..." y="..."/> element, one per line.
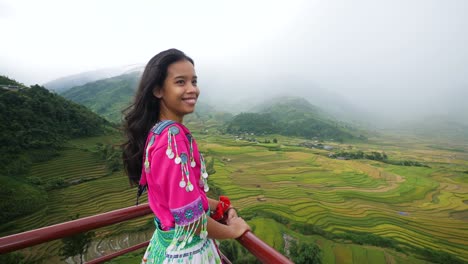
<point x="35" y="124"/>
<point x="107" y="97"/>
<point x="5" y="81"/>
<point x="292" y="117"/>
<point x="356" y="211"/>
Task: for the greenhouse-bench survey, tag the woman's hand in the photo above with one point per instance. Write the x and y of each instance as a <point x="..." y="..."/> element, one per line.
<point x="231" y="213"/>
<point x="238" y="225"/>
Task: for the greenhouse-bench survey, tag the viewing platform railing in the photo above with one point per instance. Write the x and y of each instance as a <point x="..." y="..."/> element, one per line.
<point x="262" y="251"/>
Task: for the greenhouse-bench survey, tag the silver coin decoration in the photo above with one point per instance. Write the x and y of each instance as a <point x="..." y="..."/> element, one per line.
<point x="182" y="184"/>
<point x="168" y="151"/>
<point x="171" y="156"/>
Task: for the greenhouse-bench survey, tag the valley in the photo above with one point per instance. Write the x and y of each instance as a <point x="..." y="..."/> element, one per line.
<point x="296" y="174"/>
<point x="282" y="186"/>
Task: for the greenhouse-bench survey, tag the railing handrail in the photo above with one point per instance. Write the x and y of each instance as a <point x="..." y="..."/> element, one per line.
<point x="256" y="246"/>
<point x="261" y="250"/>
<point x="45" y="234"/>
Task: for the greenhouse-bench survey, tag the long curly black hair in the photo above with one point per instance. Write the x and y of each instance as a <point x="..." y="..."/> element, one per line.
<point x="144" y="112"/>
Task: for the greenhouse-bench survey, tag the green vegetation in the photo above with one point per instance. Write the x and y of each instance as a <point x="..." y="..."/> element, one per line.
<point x="305" y="253"/>
<point x="36" y="125"/>
<point x="362" y="210"/>
<point x="360" y="155"/>
<point x="77" y="244"/>
<point x="106" y="97"/>
<point x="19" y="198"/>
<point x="111" y="154"/>
<point x="33" y="118"/>
<point x="236" y="253"/>
<point x="90" y="189"/>
<point x="12" y="258"/>
<point x="360" y="201"/>
<point x="375" y="156"/>
<point x="5" y="81"/>
<point x="292" y="117"/>
<point x="345" y="207"/>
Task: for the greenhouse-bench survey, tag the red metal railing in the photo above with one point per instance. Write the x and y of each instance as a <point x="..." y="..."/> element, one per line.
<point x="256" y="246"/>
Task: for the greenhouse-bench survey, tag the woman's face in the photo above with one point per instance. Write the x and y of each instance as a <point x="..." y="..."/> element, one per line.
<point x="180" y="92"/>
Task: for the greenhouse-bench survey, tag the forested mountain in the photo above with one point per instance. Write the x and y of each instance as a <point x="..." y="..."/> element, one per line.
<point x="5" y="82"/>
<point x="293" y="107"/>
<point x="292" y="117"/>
<point x="35" y="124"/>
<point x="33" y="118"/>
<point x="107" y="97"/>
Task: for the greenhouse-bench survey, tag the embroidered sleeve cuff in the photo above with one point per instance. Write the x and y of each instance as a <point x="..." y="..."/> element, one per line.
<point x="189" y="213"/>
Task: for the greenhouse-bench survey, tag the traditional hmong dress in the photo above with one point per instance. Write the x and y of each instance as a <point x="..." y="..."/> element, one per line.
<point x="175" y="175"/>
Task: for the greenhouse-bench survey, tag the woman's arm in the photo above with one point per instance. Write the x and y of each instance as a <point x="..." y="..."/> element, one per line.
<point x="237" y="226"/>
<point x="231" y="213"/>
<point x="212" y="203"/>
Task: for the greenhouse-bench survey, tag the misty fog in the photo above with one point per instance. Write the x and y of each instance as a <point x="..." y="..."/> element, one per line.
<point x="383" y="61"/>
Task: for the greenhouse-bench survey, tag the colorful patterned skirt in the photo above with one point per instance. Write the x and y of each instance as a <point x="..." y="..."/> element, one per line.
<point x="198" y="250"/>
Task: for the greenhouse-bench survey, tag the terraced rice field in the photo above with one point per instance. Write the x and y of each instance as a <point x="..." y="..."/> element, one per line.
<point x="102" y="194"/>
<point x="70" y="166"/>
<point x="332" y="252"/>
<point x="417" y="206"/>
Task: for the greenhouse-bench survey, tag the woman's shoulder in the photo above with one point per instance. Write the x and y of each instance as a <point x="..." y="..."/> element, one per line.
<point x="171" y="130"/>
<point x="169" y="126"/>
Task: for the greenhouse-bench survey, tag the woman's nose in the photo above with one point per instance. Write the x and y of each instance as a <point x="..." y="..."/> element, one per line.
<point x="192" y="88"/>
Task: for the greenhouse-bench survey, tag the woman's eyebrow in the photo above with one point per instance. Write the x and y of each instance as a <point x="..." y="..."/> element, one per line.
<point x="185" y="77"/>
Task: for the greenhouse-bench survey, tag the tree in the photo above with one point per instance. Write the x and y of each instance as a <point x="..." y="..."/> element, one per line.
<point x="230" y="249"/>
<point x="12" y="258"/>
<point x="77" y="244"/>
<point x="236" y="253"/>
<point x="305" y="253"/>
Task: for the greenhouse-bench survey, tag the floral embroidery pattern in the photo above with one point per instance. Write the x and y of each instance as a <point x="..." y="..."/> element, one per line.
<point x="188" y="213"/>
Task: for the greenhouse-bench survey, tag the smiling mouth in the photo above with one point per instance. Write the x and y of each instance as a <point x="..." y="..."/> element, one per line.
<point x="190" y="100"/>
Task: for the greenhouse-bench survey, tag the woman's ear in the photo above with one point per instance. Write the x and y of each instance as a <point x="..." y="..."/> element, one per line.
<point x="158" y="92"/>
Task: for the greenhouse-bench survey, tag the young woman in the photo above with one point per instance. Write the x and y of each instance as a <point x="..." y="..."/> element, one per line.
<point x="161" y="155"/>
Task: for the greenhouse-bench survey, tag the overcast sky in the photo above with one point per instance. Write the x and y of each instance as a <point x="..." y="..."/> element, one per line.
<point x="408" y="55"/>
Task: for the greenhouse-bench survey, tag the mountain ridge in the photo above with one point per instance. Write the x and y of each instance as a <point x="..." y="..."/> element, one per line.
<point x="65" y="83"/>
<point x="106" y="97"/>
<point x="293" y="116"/>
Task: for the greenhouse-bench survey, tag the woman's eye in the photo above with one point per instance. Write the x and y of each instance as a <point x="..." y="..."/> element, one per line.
<point x="194" y="82"/>
<point x="181" y="82"/>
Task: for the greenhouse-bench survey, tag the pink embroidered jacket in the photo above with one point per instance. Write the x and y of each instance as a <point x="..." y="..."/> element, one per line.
<point x="175" y="174"/>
